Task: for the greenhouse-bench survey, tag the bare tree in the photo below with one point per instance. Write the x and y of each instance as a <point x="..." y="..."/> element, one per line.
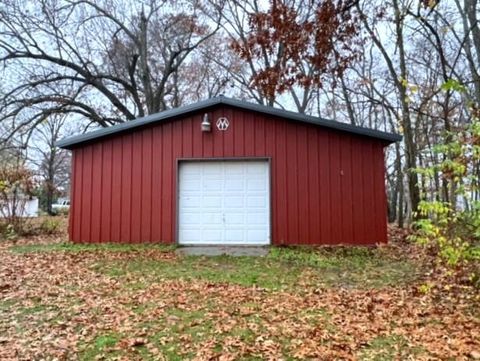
<point x="209" y="73"/>
<point x="107" y="61"/>
<point x="399" y="76"/>
<point x="52" y="163"/>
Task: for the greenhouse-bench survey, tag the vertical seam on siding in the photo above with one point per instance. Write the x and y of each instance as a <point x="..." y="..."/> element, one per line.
<point x="287" y="206"/>
<point x="223" y="133"/>
<point x="202" y="140"/>
<point x="189" y="151"/>
<point x="319" y="188"/>
<point x="79" y="226"/>
<point x="140" y="223"/>
<point x="329" y="182"/>
<point x="362" y="193"/>
<point x="150" y="237"/>
<point x="375" y="191"/>
<point x="297" y="195"/>
<point x="111" y="194"/>
<point x="91" y="194"/>
<point x="161" y="130"/>
<point x="254" y="127"/>
<point x="352" y="218"/>
<point x="309" y="225"/>
<point x="121" y="190"/>
<point x="342" y="189"/>
<point x="244" y="146"/>
<point x="173" y="189"/>
<point x="101" y="192"/>
<point x="71" y="220"/>
<point x="131" y="188"/>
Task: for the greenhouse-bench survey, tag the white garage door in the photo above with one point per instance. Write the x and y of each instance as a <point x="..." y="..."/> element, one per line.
<point x="224" y="202"/>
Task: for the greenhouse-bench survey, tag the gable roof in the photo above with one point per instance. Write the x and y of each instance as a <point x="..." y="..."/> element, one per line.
<point x="71" y="142"/>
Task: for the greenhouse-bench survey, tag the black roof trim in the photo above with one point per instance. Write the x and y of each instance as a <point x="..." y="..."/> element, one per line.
<point x="71" y="142"/>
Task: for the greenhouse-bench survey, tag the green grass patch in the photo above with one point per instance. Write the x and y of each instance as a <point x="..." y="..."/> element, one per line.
<point x="349" y="266"/>
<point x="245" y="271"/>
<point x="101" y="347"/>
<point x="40" y="308"/>
<point x="7" y="305"/>
<point x="176" y="329"/>
<point x="282" y="268"/>
<point x="391" y="347"/>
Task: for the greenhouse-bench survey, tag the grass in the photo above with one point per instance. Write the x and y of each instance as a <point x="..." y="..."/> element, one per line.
<point x="174" y="329"/>
<point x="281" y="269"/>
<point x="33" y="310"/>
<point x="7" y="305"/>
<point x="386" y="348"/>
<point x="101" y="347"/>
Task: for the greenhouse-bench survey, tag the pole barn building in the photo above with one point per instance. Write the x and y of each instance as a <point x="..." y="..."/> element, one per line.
<point x="228" y="172"/>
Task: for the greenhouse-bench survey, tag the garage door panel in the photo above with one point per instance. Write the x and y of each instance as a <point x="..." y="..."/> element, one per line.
<point x="190" y="236"/>
<point x="256" y="218"/>
<point x="255" y="168"/>
<point x="256" y="202"/>
<point x="256" y="185"/>
<point x="212" y="184"/>
<point x="234" y="236"/>
<point x="234" y="218"/>
<point x="192" y="185"/>
<point x="235" y="168"/>
<point x="191" y="219"/>
<point x="213" y="168"/>
<point x="234" y="185"/>
<point x="224" y="202"/>
<point x="212" y="202"/>
<point x="194" y="169"/>
<point x="256" y="236"/>
<point x="191" y="202"/>
<point x="214" y="235"/>
<point x="211" y="218"/>
<point x="234" y="202"/>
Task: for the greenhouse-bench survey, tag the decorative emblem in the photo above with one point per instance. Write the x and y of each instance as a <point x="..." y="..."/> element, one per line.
<point x="222" y="123"/>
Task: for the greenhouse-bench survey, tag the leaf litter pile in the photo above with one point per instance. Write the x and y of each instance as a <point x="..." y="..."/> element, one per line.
<point x="67" y="302"/>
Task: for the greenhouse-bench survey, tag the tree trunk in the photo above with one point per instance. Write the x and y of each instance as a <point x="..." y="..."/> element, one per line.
<point x="399" y="186"/>
<point x="410" y="148"/>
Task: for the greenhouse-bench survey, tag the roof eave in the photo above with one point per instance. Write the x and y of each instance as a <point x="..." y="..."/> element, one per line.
<point x="72" y="142"/>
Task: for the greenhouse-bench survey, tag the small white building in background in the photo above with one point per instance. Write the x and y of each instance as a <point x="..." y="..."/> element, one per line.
<point x="30" y="209"/>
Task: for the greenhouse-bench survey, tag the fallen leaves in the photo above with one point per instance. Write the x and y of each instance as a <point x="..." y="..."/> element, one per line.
<point x="58" y="306"/>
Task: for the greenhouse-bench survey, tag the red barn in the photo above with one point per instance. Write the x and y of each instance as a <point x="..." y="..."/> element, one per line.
<point x="228" y="172"/>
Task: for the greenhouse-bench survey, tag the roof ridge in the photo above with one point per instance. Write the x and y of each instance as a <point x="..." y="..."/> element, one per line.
<point x="70" y="142"/>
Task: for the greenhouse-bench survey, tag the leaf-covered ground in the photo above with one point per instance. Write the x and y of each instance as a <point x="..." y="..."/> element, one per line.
<point x="61" y="301"/>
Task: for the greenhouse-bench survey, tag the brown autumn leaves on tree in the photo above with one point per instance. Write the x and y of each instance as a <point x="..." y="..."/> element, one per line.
<point x="284" y="40"/>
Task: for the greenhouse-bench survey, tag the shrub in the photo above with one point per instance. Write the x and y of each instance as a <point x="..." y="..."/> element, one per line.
<point x="16" y="186"/>
<point x="7" y="232"/>
<point x="63" y="212"/>
<point x="451" y="224"/>
<point x="50" y="226"/>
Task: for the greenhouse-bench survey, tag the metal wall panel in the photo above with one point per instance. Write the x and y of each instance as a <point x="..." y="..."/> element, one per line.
<point x="328" y="186"/>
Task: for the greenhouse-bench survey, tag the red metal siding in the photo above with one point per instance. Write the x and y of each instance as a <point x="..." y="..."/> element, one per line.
<point x="327" y="186"/>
